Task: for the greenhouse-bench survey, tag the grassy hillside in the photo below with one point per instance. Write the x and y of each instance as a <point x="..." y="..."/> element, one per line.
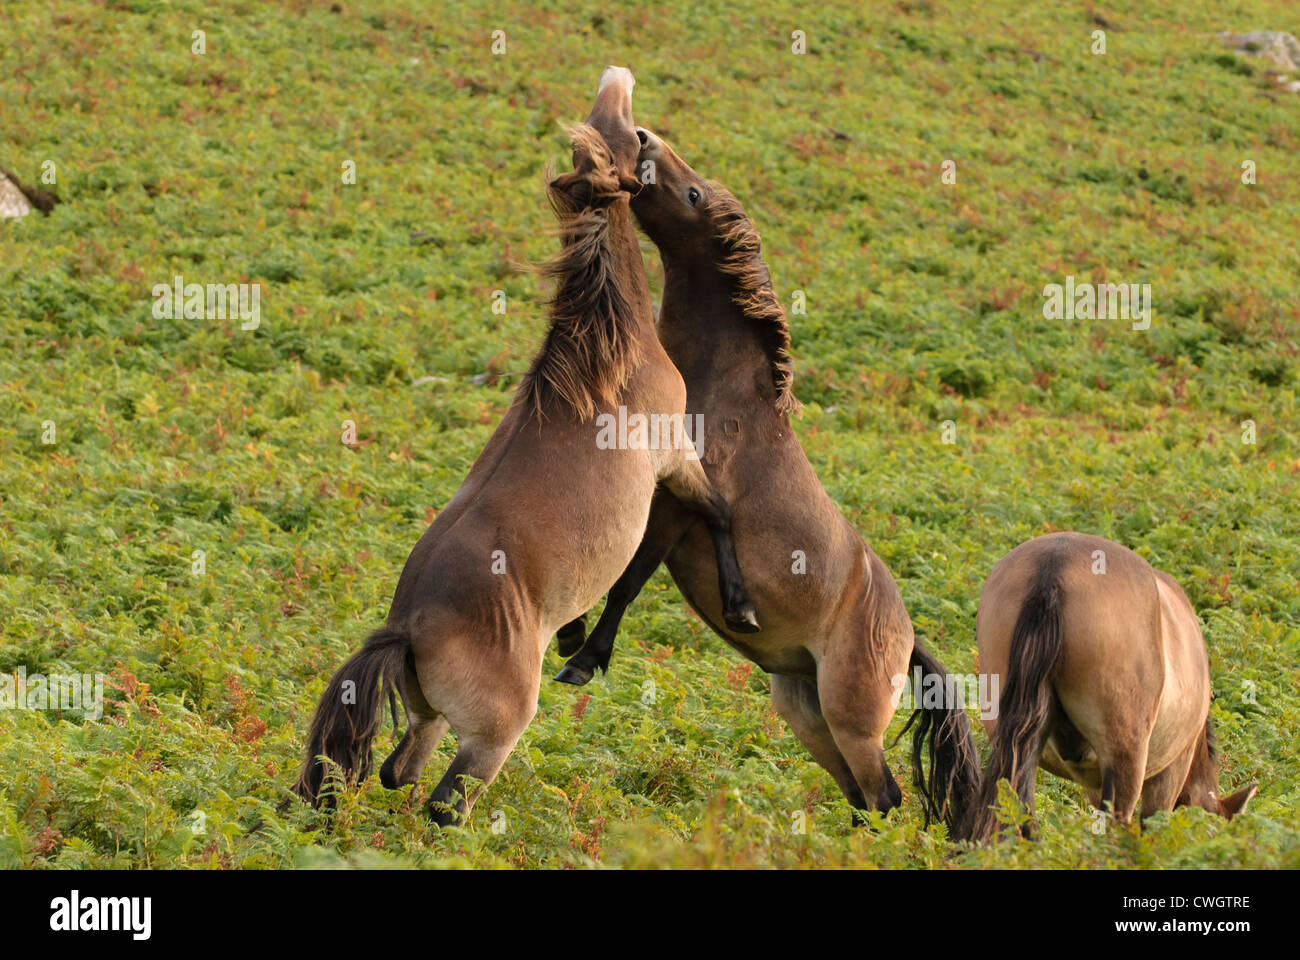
<point x="924" y="304"/>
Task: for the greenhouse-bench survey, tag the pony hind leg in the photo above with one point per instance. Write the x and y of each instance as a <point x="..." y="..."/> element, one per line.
<point x="1122" y="770"/>
<point x="857" y="716"/>
<point x="864" y="752"/>
<point x="795" y="699"/>
<point x="477" y="759"/>
<point x="425" y="728"/>
<point x="489" y="710"/>
<point x="1118" y="725"/>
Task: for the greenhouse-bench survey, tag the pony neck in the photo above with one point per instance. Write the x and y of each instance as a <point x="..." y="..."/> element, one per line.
<point x="709" y="337"/>
<point x="1201" y="788"/>
<point x="626" y="252"/>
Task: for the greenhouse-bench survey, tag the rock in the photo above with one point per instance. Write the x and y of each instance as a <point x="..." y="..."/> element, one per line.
<point x="12" y="202"/>
<point x="42" y="200"/>
<point x="1282" y="48"/>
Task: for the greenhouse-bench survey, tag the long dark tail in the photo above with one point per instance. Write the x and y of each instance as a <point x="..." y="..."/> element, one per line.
<point x="1027" y="697"/>
<point x="944" y="733"/>
<point x="347" y="717"/>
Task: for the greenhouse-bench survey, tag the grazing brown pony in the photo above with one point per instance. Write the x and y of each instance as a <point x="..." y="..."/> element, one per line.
<point x="546" y="517"/>
<point x="836" y="637"/>
<point x="1105" y="681"/>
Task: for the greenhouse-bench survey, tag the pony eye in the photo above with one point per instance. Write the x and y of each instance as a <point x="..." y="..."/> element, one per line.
<point x="693" y="196"/>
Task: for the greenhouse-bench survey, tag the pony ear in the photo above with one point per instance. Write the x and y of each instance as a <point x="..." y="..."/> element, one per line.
<point x="1232" y="805"/>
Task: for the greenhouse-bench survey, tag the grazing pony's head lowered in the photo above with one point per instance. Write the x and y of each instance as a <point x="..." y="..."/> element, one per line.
<point x="1201" y="789"/>
<point x="592" y="347"/>
<point x="691" y="219"/>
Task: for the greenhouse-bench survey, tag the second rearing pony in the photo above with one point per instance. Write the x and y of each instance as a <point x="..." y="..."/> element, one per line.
<point x="836" y="637"/>
<point x="545" y="519"/>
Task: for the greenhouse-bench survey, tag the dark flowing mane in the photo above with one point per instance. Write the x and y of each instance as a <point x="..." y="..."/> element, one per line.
<point x="742" y="260"/>
<point x="591" y="348"/>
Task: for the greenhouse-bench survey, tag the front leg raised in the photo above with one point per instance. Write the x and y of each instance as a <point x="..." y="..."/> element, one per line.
<point x="596" y="651"/>
<point x="668" y="522"/>
<point x="570" y="637"/>
<point x="689" y="484"/>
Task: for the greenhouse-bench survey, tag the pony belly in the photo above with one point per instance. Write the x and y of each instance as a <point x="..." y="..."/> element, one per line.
<point x="1184" y="699"/>
<point x="770" y="649"/>
<point x="779" y="647"/>
<point x="789" y="659"/>
<point x="1174" y="731"/>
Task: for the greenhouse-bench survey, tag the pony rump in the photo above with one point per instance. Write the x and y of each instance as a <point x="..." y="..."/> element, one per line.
<point x="347" y="718"/>
<point x="591" y="349"/>
<point x="742" y="260"/>
<point x="1027" y="699"/>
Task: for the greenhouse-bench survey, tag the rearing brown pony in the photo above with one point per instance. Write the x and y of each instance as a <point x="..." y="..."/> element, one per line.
<point x="545" y="518"/>
<point x="1105" y="681"/>
<point x="836" y="637"/>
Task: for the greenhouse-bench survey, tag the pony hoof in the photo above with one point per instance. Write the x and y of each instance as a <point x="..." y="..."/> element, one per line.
<point x="743" y="621"/>
<point x="444" y="819"/>
<point x="574" y="675"/>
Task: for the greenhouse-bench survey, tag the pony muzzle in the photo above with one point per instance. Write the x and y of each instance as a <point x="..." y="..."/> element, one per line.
<point x="612" y="114"/>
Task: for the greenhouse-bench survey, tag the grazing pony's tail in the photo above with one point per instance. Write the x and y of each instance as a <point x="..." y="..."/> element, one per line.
<point x="1027" y="698"/>
<point x="944" y="732"/>
<point x="347" y="717"/>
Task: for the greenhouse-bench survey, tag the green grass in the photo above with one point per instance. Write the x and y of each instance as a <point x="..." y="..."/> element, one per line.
<point x="924" y="305"/>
